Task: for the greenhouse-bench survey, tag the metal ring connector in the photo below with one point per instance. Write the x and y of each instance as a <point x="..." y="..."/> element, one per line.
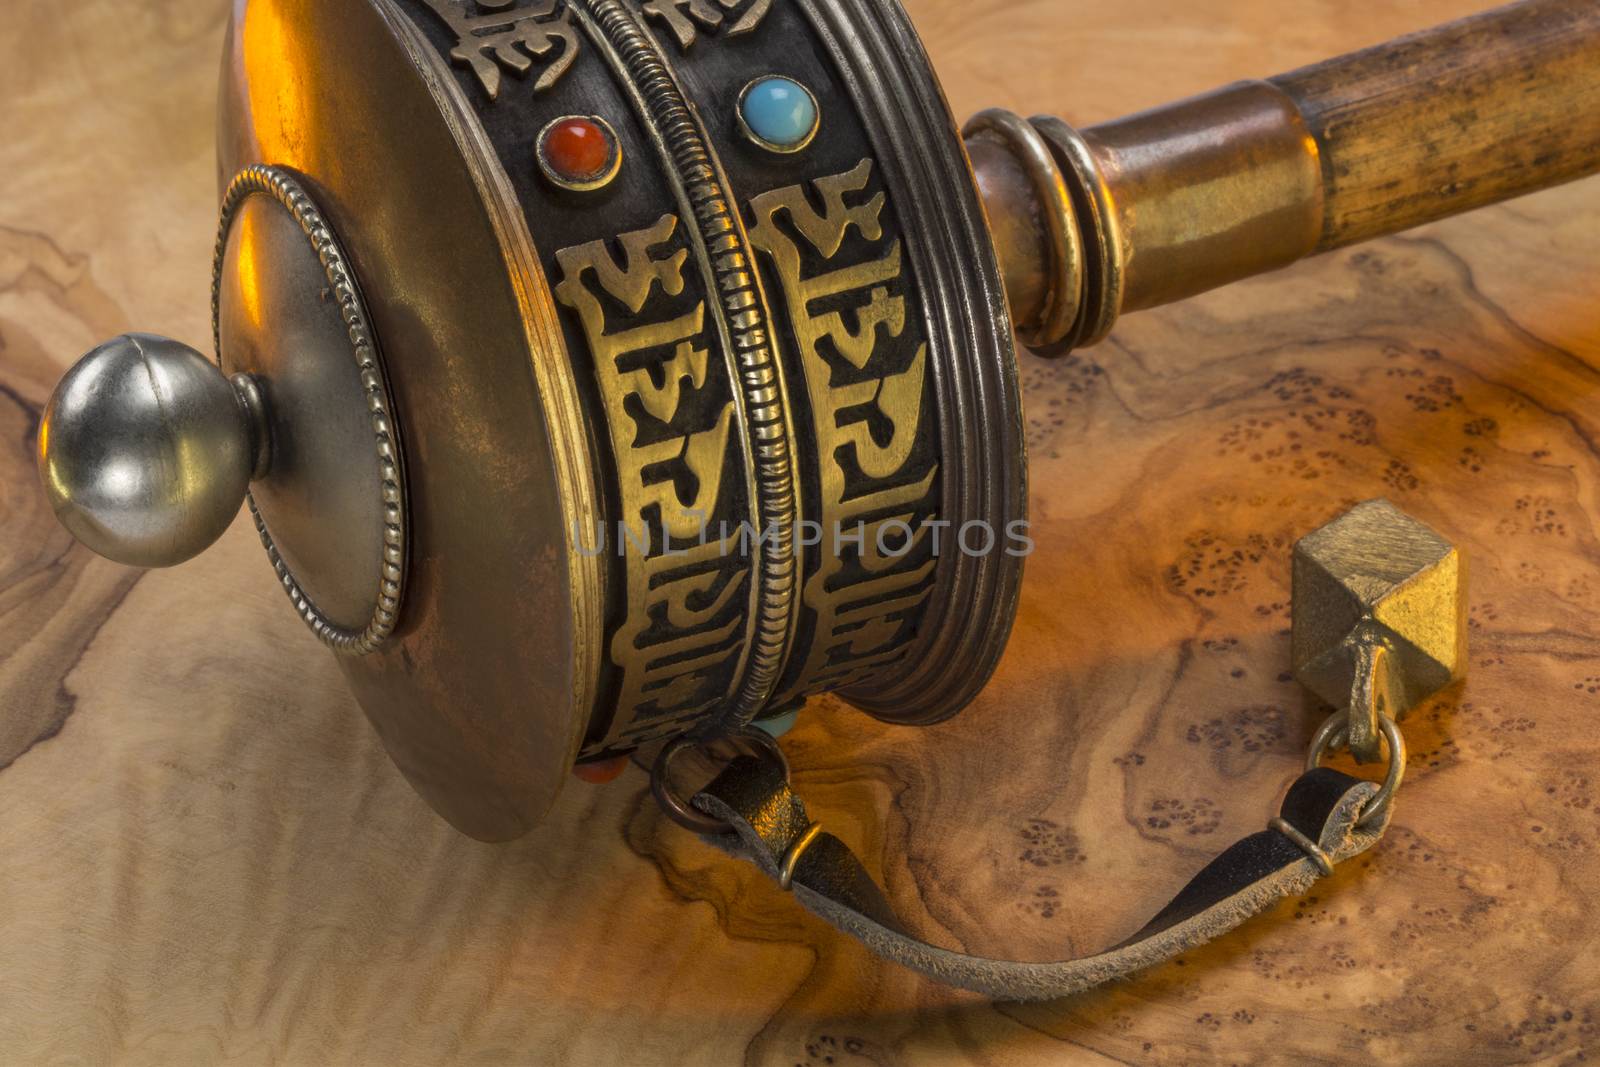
<point x="1063" y="302"/>
<point x="791" y="855"/>
<point x="1334" y="733"/>
<point x="1318" y="855"/>
<point x="751" y="741"/>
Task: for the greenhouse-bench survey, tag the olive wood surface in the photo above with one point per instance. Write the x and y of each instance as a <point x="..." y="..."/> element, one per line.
<point x="206" y="857"/>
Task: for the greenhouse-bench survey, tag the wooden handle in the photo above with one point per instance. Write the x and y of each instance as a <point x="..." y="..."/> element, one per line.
<point x="1183" y="198"/>
<point x="1466" y="114"/>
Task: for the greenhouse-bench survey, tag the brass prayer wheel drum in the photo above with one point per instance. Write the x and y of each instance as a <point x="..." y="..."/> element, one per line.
<point x="682" y="446"/>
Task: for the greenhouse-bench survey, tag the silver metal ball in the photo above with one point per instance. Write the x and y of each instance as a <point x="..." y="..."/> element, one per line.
<point x="145" y="451"/>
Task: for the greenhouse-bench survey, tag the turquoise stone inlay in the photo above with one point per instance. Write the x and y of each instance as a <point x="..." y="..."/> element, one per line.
<point x="779" y="112"/>
<point x="781" y="724"/>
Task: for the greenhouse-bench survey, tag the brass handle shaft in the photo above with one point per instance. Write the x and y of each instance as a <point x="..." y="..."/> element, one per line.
<point x="1173" y="201"/>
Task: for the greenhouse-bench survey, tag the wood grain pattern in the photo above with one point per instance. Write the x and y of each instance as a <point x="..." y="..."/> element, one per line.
<point x="208" y="859"/>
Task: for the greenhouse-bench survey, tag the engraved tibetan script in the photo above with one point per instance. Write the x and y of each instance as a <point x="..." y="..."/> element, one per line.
<point x="864" y="375"/>
<point x="650" y="339"/>
<point x="496" y="34"/>
<point x="685" y="18"/>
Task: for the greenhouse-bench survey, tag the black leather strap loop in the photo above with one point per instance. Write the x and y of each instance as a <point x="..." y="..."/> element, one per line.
<point x="1257" y="871"/>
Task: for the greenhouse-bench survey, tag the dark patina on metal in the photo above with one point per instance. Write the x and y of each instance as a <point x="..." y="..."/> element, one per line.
<point x="793" y="345"/>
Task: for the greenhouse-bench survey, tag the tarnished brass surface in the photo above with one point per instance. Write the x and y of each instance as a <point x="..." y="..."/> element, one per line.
<point x="482" y="693"/>
<point x="1090" y="202"/>
<point x="1209" y="190"/>
<point x="1032" y="221"/>
<point x="1011" y="202"/>
<point x="686" y="584"/>
<point x="1161" y="205"/>
<point x="955" y="640"/>
<point x="1448" y="119"/>
<point x="496" y="41"/>
<point x="733" y="319"/>
<point x="619" y="404"/>
<point x="1193" y="195"/>
<point x="1380" y="616"/>
<point x="892" y="352"/>
<point x="859" y="606"/>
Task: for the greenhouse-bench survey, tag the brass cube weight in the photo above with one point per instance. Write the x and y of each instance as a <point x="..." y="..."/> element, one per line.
<point x="1380" y="617"/>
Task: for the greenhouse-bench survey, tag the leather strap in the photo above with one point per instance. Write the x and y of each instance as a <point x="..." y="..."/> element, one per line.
<point x="1322" y="806"/>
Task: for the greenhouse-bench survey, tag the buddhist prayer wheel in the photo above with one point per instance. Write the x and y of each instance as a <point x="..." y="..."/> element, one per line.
<point x="611" y="376"/>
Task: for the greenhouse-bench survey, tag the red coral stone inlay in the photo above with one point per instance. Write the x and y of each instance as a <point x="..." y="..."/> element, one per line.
<point x="577" y="149"/>
<point x="601" y="773"/>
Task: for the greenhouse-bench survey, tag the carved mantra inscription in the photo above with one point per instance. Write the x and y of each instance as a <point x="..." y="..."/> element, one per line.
<point x="497" y="36"/>
<point x="685" y="606"/>
<point x="684" y="19"/>
<point x="867" y="413"/>
<point x="651" y="341"/>
<point x="492" y="35"/>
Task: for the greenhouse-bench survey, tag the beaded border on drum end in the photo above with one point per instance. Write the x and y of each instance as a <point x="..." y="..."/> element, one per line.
<point x="282" y="186"/>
